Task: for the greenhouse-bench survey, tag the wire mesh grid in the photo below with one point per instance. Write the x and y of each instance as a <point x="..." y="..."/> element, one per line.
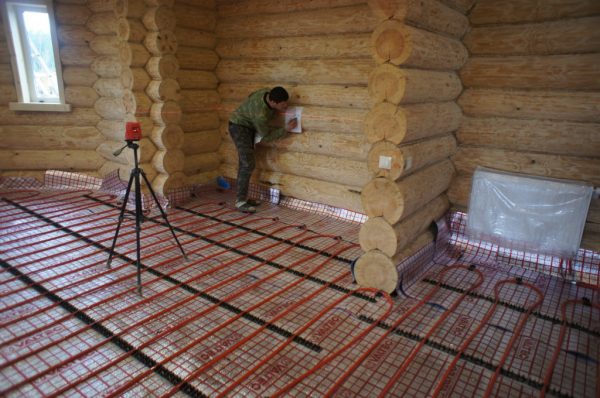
<point x="265" y="306"/>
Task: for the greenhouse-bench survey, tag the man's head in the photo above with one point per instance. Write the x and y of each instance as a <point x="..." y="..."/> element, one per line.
<point x="278" y="98"/>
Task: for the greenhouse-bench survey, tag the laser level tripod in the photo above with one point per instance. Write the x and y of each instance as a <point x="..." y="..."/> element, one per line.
<point x="134" y="177"/>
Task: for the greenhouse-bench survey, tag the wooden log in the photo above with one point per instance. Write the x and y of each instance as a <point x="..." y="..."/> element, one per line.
<point x="402" y="124"/>
<point x="376" y="233"/>
<point x="8" y="93"/>
<point x="192" y="79"/>
<point x="105" y="44"/>
<point x="248" y="7"/>
<point x="77" y="117"/>
<point x="168" y="137"/>
<point x="142" y="104"/>
<point x="316" y="191"/>
<point x="110" y="108"/>
<point x="166" y="67"/>
<point x="161" y="18"/>
<point x="460" y="190"/>
<point x="6" y="75"/>
<point x="161" y="43"/>
<point x="376" y="270"/>
<point x="407" y="159"/>
<point x="195" y="17"/>
<point x="156" y="3"/>
<point x="351" y="146"/>
<point x="49" y="137"/>
<point x="552" y="137"/>
<point x="168" y="162"/>
<point x="327" y="71"/>
<point x="140" y="79"/>
<point x="395" y="201"/>
<point x="133" y="54"/>
<point x="572" y="72"/>
<point x="591" y="241"/>
<point x="109" y="87"/>
<point x="118" y="6"/>
<point x="39" y="175"/>
<point x="344" y="96"/>
<point x="164" y="183"/>
<point x="201" y="142"/>
<point x="427" y="14"/>
<point x="355" y="45"/>
<point x="338" y="120"/>
<point x="199" y="121"/>
<point x="549" y="105"/>
<point x="107" y="66"/>
<point x="71" y="14"/>
<point x="136" y="8"/>
<point x="164" y="113"/>
<point x="571" y="36"/>
<point x="125" y="170"/>
<point x="74" y="35"/>
<point x="516" y="11"/>
<point x="78" y="76"/>
<point x="197" y="59"/>
<point x="200" y="163"/>
<point x="201" y="178"/>
<point x="104" y="23"/>
<point x="390" y="83"/>
<point x="467" y="159"/>
<point x="135" y="31"/>
<point x="146" y="151"/>
<point x="77" y="56"/>
<point x="163" y="90"/>
<point x="319" y="167"/>
<point x="195" y="38"/>
<point x="352" y="19"/>
<point x="199" y="100"/>
<point x="80" y="96"/>
<point x="404" y="45"/>
<point x="462" y="6"/>
<point x="68" y="160"/>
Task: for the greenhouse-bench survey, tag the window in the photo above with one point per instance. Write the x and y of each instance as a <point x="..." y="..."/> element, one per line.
<point x="34" y="57"/>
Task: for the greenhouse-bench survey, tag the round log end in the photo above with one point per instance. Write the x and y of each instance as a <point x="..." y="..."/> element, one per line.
<point x="376" y="270"/>
<point x="385" y="159"/>
<point x="385" y="122"/>
<point x="387" y="83"/>
<point x="376" y="233"/>
<point x="390" y="43"/>
<point x="381" y="197"/>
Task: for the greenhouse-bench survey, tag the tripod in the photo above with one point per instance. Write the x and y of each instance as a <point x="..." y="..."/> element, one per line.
<point x="134" y="177"/>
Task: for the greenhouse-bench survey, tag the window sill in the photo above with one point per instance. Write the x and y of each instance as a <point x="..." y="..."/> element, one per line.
<point x="38" y="107"/>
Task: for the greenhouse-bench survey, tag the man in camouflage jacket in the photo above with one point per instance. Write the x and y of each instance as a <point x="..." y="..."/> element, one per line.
<point x="248" y="125"/>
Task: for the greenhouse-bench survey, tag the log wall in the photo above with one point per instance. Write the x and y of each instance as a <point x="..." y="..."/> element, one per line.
<point x="198" y="136"/>
<point x="532" y="95"/>
<point x="418" y="50"/>
<point x="33" y="142"/>
<point x="320" y="52"/>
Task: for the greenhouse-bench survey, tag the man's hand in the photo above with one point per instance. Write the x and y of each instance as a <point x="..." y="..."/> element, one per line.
<point x="291" y="124"/>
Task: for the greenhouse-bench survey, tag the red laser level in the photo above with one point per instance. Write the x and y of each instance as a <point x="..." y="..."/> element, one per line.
<point x="133" y="131"/>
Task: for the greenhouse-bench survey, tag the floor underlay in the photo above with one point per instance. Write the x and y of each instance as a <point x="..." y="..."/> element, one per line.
<point x="265" y="305"/>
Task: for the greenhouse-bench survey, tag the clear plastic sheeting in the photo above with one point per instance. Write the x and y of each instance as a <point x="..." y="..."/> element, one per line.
<point x="534" y="214"/>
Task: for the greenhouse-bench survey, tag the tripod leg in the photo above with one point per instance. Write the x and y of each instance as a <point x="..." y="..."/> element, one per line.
<point x="164" y="215"/>
<point x="138" y="226"/>
<point x="114" y="242"/>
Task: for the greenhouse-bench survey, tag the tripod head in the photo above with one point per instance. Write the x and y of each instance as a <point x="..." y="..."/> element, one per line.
<point x="133" y="133"/>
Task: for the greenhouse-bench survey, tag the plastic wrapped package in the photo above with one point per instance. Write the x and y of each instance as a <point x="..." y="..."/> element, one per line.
<point x="534" y="214"/>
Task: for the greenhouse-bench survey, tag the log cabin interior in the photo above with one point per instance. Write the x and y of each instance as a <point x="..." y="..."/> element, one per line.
<point x="357" y="277"/>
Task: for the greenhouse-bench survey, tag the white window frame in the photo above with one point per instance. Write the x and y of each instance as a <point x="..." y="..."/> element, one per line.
<point x="21" y="60"/>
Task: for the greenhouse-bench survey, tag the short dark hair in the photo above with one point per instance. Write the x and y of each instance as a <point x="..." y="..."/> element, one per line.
<point x="278" y="94"/>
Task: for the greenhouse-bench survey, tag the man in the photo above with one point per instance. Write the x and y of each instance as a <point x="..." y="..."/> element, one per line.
<point x="249" y="124"/>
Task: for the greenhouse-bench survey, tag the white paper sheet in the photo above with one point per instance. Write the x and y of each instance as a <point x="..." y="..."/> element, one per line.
<point x="294" y="112"/>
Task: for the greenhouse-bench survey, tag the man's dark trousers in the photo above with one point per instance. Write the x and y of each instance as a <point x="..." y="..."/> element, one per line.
<point x="243" y="138"/>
